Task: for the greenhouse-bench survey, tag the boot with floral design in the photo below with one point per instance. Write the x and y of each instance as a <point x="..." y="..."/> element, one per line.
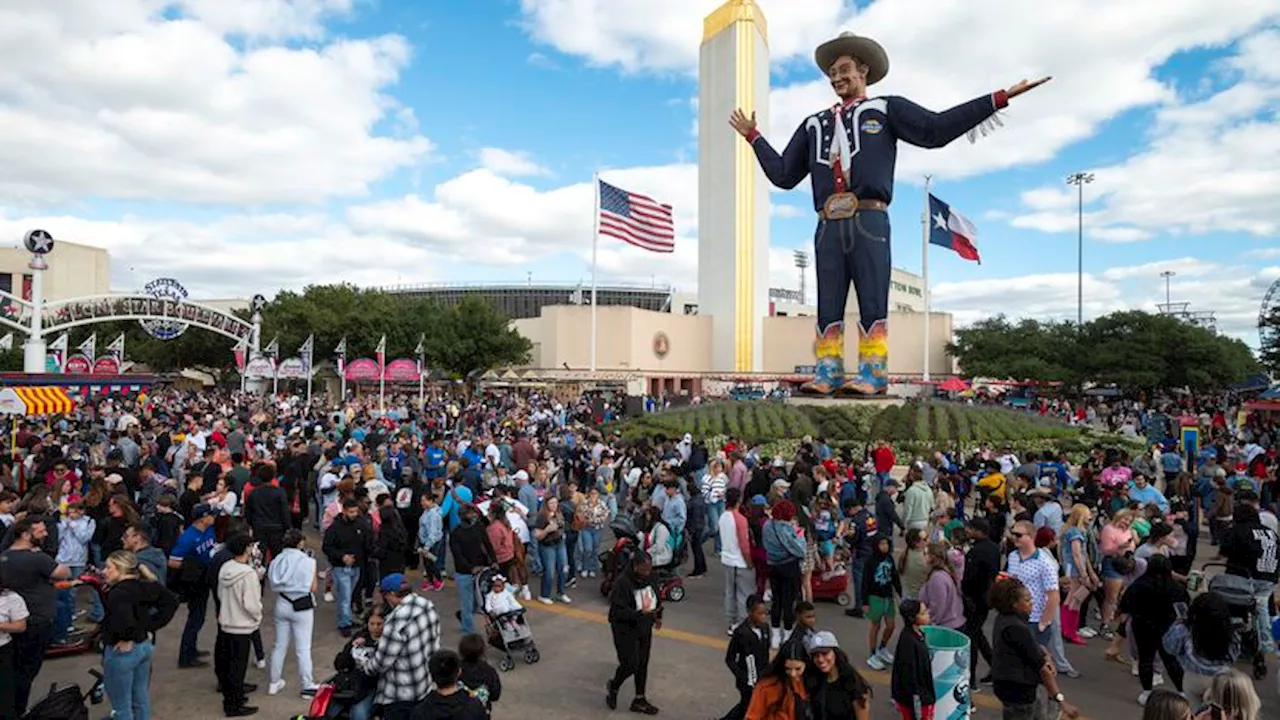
<point x="828" y="375"/>
<point x="873" y="362"/>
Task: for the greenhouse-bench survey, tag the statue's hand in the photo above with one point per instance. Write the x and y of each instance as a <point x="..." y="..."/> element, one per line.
<point x="1024" y="85"/>
<point x="740" y="122"/>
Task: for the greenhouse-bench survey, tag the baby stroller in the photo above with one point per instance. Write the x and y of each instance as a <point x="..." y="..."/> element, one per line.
<point x="330" y="701"/>
<point x="1237" y="593"/>
<point x="668" y="581"/>
<point x="66" y="702"/>
<point x="506" y="631"/>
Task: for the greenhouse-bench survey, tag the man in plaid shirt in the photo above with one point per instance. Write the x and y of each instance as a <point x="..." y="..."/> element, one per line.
<point x="412" y="633"/>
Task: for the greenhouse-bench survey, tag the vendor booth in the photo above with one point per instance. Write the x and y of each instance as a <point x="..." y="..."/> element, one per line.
<point x="35" y="401"/>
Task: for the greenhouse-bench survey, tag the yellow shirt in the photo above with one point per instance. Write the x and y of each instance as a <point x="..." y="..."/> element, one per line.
<point x="996" y="484"/>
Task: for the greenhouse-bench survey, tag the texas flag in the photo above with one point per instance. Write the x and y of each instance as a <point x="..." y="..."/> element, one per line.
<point x="952" y="230"/>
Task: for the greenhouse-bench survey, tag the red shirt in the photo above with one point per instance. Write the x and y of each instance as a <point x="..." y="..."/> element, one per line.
<point x="884" y="459"/>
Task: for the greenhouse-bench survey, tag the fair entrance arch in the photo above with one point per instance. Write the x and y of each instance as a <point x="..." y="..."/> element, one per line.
<point x="37" y="319"/>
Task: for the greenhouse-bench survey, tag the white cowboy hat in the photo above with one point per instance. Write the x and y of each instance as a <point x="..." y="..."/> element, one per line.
<point x="865" y="49"/>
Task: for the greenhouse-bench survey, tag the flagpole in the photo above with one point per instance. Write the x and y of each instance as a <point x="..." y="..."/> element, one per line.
<point x="311" y="353"/>
<point x="595" y="247"/>
<point x="924" y="263"/>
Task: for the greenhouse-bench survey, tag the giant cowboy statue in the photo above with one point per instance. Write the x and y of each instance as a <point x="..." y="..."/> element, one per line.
<point x="849" y="151"/>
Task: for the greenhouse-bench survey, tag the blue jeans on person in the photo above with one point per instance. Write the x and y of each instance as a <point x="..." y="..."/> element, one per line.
<point x="197" y="607"/>
<point x="466" y="602"/>
<point x="534" y="556"/>
<point x="555" y="563"/>
<point x="362" y="710"/>
<point x="1051" y="638"/>
<point x="855" y="573"/>
<point x="345" y="580"/>
<point x="126" y="677"/>
<point x="588" y="549"/>
<point x="714" y="511"/>
<point x="66" y="609"/>
<point x="96" y="610"/>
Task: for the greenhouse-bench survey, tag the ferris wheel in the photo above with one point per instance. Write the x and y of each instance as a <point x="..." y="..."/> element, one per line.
<point x="1269" y="332"/>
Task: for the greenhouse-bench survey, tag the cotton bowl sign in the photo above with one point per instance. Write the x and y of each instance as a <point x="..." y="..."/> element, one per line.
<point x="164" y="289"/>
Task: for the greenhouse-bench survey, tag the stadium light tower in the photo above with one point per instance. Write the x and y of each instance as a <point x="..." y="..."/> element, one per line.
<point x="1168" y="304"/>
<point x="1079" y="179"/>
<point x="802" y="264"/>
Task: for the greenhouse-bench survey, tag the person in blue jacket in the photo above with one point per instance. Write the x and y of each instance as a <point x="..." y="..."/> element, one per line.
<point x="849" y="151"/>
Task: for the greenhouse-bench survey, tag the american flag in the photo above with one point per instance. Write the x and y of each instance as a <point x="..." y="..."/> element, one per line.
<point x="639" y="220"/>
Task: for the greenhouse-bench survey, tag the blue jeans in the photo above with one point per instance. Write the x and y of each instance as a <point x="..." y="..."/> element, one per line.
<point x="714" y="511"/>
<point x="66" y="610"/>
<point x="96" y="610"/>
<point x="535" y="558"/>
<point x="362" y="710"/>
<point x="344" y="586"/>
<point x="197" y="607"/>
<point x="555" y="563"/>
<point x="126" y="677"/>
<point x="588" y="549"/>
<point x="855" y="571"/>
<point x="466" y="602"/>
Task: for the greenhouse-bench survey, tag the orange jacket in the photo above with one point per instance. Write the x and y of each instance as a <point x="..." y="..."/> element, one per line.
<point x="765" y="697"/>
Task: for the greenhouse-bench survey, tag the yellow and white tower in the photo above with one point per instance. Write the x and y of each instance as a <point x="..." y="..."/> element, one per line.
<point x="733" y="195"/>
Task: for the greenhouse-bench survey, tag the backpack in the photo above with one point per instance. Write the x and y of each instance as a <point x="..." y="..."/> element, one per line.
<point x="62" y="703"/>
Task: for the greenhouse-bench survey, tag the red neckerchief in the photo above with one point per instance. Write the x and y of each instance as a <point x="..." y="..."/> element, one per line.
<point x="837" y="167"/>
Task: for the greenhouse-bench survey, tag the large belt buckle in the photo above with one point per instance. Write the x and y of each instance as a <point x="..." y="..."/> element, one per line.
<point x="840" y="206"/>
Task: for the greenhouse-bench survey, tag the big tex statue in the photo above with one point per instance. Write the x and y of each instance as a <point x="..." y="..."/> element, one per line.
<point x="849" y="151"/>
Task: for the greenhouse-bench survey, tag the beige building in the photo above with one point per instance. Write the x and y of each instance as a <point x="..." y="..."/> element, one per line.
<point x="672" y="353"/>
<point x="75" y="270"/>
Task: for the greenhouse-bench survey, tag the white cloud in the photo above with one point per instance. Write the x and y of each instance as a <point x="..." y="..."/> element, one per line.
<point x="462" y="219"/>
<point x="239" y="255"/>
<point x="1232" y="294"/>
<point x="1110" y="60"/>
<point x="1264" y="253"/>
<point x="511" y="163"/>
<point x="236" y="101"/>
<point x="1210" y="166"/>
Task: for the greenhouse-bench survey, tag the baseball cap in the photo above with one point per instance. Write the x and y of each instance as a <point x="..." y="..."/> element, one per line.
<point x="114" y="478"/>
<point x="394" y="583"/>
<point x="821" y="640"/>
<point x="759" y="500"/>
<point x="203" y="510"/>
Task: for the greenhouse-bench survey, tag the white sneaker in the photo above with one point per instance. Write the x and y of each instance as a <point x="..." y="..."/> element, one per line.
<point x="1157" y="680"/>
<point x="768" y="594"/>
<point x="1142" y="697"/>
<point x="275" y="686"/>
<point x="564" y="599"/>
<point x="545" y="600"/>
<point x="261" y="663"/>
<point x="328" y="597"/>
<point x="775" y="638"/>
<point x="875" y="663"/>
<point x="729" y="632"/>
<point x="886" y="655"/>
<point x="1087" y="633"/>
<point x="525" y="594"/>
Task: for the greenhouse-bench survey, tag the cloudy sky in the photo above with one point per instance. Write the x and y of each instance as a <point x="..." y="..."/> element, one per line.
<point x="245" y="146"/>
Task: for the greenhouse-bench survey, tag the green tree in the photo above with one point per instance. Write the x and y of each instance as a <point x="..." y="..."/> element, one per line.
<point x="1026" y="350"/>
<point x="1133" y="350"/>
<point x="473" y="336"/>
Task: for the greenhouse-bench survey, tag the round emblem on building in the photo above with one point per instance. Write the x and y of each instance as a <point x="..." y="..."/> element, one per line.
<point x="164" y="289"/>
<point x="661" y="344"/>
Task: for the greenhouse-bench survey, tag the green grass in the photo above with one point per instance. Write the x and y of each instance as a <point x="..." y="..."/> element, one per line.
<point x="913" y="429"/>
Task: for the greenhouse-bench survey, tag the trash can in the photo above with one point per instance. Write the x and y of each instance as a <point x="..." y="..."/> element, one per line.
<point x="949" y="654"/>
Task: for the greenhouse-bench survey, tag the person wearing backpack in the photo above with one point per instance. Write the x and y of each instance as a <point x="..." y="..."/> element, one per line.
<point x="137" y="606"/>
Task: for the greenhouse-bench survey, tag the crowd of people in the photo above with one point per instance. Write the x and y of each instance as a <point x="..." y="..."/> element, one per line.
<point x="189" y="499"/>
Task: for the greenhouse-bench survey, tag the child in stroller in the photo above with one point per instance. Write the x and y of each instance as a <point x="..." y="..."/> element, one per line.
<point x="505" y="622"/>
<point x="1237" y="593"/>
<point x="666" y="576"/>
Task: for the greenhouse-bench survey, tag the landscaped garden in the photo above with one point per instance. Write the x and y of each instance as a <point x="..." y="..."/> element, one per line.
<point x="912" y="429"/>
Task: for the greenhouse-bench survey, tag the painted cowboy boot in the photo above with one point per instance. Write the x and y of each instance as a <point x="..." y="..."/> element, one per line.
<point x="828" y="375"/>
<point x="873" y="362"/>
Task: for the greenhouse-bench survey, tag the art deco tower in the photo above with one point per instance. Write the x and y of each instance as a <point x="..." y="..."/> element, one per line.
<point x="733" y="195"/>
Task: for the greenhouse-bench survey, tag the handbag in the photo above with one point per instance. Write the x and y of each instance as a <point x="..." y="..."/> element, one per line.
<point x="302" y="603"/>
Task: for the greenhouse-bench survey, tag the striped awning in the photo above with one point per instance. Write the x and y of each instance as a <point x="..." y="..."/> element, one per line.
<point x="45" y="400"/>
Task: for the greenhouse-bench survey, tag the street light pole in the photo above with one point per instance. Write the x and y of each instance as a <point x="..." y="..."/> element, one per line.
<point x="1079" y="180"/>
<point x="1168" y="302"/>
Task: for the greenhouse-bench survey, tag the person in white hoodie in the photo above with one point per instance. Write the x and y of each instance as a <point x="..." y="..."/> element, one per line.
<point x="239" y="615"/>
<point x="292" y="576"/>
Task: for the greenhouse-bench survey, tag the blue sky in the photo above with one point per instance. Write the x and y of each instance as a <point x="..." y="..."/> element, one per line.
<point x="246" y="146"/>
